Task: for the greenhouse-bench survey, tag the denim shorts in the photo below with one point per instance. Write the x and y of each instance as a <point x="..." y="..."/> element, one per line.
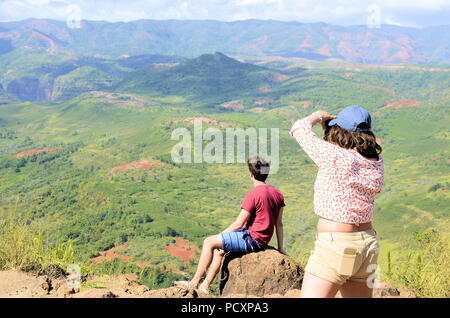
<point x="239" y="241"/>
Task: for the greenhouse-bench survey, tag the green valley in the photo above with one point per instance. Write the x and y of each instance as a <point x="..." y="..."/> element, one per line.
<point x="109" y="180"/>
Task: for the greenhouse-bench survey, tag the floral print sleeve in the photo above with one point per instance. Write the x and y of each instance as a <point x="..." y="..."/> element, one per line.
<point x="346" y="182"/>
<point x="317" y="149"/>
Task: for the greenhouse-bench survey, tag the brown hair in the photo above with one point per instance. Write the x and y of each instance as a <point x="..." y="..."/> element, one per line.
<point x="259" y="168"/>
<point x="364" y="141"/>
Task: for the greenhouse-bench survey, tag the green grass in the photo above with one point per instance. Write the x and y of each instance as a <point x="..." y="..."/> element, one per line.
<point x="424" y="267"/>
<point x="23" y="248"/>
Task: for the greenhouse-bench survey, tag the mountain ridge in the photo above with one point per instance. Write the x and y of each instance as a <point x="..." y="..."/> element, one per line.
<point x="387" y="44"/>
<point x="207" y="75"/>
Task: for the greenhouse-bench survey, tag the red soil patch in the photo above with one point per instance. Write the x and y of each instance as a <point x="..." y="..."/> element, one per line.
<point x="324" y="50"/>
<point x="435" y="159"/>
<point x="397" y="104"/>
<point x="390" y="91"/>
<point x="234" y="105"/>
<point x="110" y="254"/>
<point x="376" y="114"/>
<point x="346" y="48"/>
<point x="401" y="55"/>
<point x="264" y="101"/>
<point x="33" y="151"/>
<point x="141" y="164"/>
<point x="36" y="35"/>
<point x="257" y="109"/>
<point x="262" y="40"/>
<point x="304" y="103"/>
<point x="182" y="250"/>
<point x="259" y="42"/>
<point x="306" y="43"/>
<point x="348" y="74"/>
<point x="404" y="40"/>
<point x="4" y="35"/>
<point x="387" y="46"/>
<point x="281" y="78"/>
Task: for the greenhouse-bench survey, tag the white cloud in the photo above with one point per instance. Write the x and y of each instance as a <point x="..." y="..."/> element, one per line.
<point x="256" y="2"/>
<point x="344" y="12"/>
<point x="414" y="4"/>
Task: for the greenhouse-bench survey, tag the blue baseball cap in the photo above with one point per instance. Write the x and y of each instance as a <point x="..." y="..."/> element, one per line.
<point x="351" y="117"/>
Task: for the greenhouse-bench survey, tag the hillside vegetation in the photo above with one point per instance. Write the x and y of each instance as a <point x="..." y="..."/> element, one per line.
<point x="94" y="167"/>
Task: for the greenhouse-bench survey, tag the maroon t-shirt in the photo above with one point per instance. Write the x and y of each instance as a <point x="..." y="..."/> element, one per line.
<point x="264" y="203"/>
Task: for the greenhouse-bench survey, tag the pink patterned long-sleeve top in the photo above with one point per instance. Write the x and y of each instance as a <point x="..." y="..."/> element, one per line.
<point x="346" y="182"/>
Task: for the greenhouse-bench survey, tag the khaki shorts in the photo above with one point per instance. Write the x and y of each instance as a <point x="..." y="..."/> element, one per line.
<point x="326" y="259"/>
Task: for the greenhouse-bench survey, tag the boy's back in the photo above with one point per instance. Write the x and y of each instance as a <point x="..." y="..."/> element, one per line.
<point x="264" y="203"/>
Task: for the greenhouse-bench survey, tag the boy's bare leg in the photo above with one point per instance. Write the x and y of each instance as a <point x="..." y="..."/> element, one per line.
<point x="213" y="268"/>
<point x="209" y="245"/>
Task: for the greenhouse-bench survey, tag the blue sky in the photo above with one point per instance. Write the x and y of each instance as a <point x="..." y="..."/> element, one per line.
<point x="415" y="13"/>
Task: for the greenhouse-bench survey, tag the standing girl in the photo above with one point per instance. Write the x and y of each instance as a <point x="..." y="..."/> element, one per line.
<point x="350" y="175"/>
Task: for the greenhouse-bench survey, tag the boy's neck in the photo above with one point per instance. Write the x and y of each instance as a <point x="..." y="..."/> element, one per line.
<point x="257" y="183"/>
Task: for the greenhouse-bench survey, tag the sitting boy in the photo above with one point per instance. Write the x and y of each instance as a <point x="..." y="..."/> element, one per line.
<point x="261" y="212"/>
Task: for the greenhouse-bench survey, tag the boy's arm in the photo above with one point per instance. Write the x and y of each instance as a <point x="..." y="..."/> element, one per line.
<point x="279" y="229"/>
<point x="240" y="221"/>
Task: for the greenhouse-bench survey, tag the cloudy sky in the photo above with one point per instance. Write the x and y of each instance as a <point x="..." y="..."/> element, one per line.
<point x="415" y="13"/>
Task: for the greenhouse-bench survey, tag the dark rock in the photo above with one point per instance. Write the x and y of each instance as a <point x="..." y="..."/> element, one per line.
<point x="259" y="274"/>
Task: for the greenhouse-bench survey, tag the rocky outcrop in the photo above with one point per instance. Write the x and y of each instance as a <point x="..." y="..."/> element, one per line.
<point x="259" y="274"/>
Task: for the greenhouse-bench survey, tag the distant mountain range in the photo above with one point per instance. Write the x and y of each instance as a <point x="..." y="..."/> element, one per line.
<point x="215" y="76"/>
<point x="318" y="41"/>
